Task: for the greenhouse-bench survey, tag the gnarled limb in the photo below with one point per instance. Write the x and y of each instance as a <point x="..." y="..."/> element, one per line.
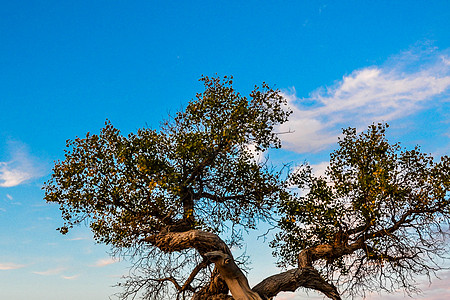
<point x="291" y="280"/>
<point x="200" y="240"/>
<point x="211" y="247"/>
<point x="233" y="276"/>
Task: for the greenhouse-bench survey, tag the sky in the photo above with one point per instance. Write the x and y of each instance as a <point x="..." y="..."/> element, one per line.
<point x="68" y="66"/>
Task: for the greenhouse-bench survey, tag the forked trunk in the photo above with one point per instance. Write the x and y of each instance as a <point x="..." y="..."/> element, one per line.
<point x="214" y="249"/>
<point x="233" y="276"/>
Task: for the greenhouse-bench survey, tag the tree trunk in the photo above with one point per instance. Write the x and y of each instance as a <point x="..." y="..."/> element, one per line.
<point x="217" y="289"/>
<point x="233" y="276"/>
<point x="212" y="247"/>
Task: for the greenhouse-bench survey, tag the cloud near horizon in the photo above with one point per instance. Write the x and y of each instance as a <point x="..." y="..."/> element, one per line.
<point x="406" y="84"/>
<point x="71" y="277"/>
<point x="20" y="168"/>
<point x="10" y="266"/>
<point x="50" y="272"/>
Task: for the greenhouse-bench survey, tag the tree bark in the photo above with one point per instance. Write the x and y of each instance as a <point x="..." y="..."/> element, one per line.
<point x="291" y="280"/>
<point x="233" y="276"/>
<point x="217" y="289"/>
<point x="210" y="246"/>
<point x="200" y="240"/>
<point x="213" y="248"/>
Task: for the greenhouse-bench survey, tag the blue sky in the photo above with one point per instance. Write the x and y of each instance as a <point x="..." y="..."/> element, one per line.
<point x="66" y="67"/>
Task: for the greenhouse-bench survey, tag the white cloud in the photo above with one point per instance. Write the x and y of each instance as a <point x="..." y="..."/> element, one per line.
<point x="405" y="84"/>
<point x="10" y="266"/>
<point x="49" y="272"/>
<point x="71" y="277"/>
<point x="78" y="239"/>
<point x="258" y="156"/>
<point x="104" y="262"/>
<point x="12" y="176"/>
<point x="439" y="289"/>
<point x="320" y="168"/>
<point x="20" y="168"/>
<point x="301" y="294"/>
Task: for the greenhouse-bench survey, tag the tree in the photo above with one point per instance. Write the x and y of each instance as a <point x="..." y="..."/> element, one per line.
<point x="376" y="218"/>
<point x="177" y="199"/>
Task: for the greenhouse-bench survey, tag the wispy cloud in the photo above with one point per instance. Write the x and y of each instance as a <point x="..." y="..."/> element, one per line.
<point x="407" y="83"/>
<point x="439" y="289"/>
<point x="49" y="272"/>
<point x="10" y="266"/>
<point x="20" y="168"/>
<point x="104" y="262"/>
<point x="78" y="239"/>
<point x="71" y="277"/>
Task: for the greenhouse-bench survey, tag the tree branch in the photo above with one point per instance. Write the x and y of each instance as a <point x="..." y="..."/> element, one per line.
<point x="291" y="280"/>
<point x="210" y="246"/>
<point x="200" y="240"/>
<point x="187" y="284"/>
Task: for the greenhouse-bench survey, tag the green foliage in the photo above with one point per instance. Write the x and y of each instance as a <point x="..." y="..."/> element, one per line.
<point x="377" y="212"/>
<point x="391" y="201"/>
<point x="197" y="171"/>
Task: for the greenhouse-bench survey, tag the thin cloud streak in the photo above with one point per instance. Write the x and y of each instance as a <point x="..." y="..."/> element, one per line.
<point x="104" y="262"/>
<point x="10" y="266"/>
<point x="408" y="83"/>
<point x="49" y="272"/>
<point x="78" y="239"/>
<point x="71" y="277"/>
<point x="439" y="289"/>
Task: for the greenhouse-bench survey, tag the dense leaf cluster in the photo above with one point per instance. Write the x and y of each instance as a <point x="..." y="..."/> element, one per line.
<point x="393" y="203"/>
<point x="197" y="171"/>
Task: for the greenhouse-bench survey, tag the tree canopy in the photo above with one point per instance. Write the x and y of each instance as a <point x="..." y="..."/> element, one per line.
<point x="175" y="199"/>
<point x="377" y="218"/>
